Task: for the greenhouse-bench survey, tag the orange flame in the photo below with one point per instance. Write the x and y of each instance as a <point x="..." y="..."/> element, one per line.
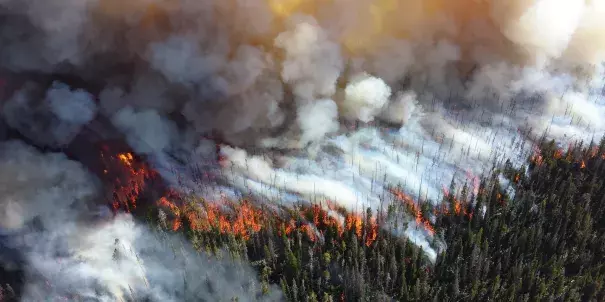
<point x="130" y="179"/>
<point x="322" y="219"/>
<point x="354" y="221"/>
<point x="245" y="221"/>
<point x="126" y="158"/>
<point x="164" y="202"/>
<point x="583" y="165"/>
<point x="428" y="227"/>
<point x="309" y="231"/>
<point x="372" y="232"/>
<point x="176" y="225"/>
<point x="413" y="207"/>
<point x="457" y="207"/>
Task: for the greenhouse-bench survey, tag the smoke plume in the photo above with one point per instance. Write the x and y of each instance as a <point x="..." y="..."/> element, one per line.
<point x="47" y="205"/>
<point x="314" y="99"/>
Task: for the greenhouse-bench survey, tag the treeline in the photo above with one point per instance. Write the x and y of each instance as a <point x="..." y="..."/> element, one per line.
<point x="545" y="243"/>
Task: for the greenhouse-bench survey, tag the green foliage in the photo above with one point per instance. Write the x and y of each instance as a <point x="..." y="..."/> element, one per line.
<point x="547" y="243"/>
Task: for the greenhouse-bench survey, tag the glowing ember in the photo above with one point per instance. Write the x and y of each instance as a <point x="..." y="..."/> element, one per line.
<point x="126" y="158"/>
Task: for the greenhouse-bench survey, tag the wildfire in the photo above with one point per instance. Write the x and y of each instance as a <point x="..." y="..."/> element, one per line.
<point x="372" y="232"/>
<point x="164" y="202"/>
<point x="241" y="219"/>
<point x="536" y="158"/>
<point x="322" y="219"/>
<point x="306" y="228"/>
<point x="459" y="206"/>
<point x="126" y="158"/>
<point x="290" y="226"/>
<point x="244" y="221"/>
<point x="413" y="207"/>
<point x="354" y="222"/>
<point x="130" y="179"/>
<point x="176" y="225"/>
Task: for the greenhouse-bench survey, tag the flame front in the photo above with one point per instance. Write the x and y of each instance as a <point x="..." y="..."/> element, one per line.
<point x="416" y="211"/>
<point x="130" y="179"/>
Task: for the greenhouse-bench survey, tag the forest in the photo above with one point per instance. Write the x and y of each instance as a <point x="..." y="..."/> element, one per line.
<point x="543" y="242"/>
<point x="530" y="234"/>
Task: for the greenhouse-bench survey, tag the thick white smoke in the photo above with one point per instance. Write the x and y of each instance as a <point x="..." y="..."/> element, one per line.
<point x="448" y="87"/>
<point x="120" y="260"/>
<point x="48" y="203"/>
<point x="312" y="62"/>
<point x="317" y="119"/>
<point x="365" y="97"/>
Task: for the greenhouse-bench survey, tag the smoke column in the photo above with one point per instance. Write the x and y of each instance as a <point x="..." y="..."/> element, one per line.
<point x="313" y="100"/>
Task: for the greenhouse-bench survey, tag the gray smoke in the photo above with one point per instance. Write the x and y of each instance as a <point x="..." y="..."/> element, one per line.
<point x="245" y="68"/>
<point x="146" y="131"/>
<point x="438" y="90"/>
<point x="75" y="250"/>
<point x="53" y="119"/>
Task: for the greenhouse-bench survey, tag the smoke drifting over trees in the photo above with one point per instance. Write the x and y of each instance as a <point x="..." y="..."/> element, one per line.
<point x="307" y="100"/>
<point x="74" y="250"/>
